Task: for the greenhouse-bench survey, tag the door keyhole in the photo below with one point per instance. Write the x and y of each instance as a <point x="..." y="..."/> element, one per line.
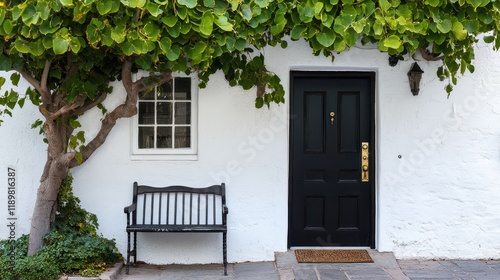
<point x="332" y="117"/>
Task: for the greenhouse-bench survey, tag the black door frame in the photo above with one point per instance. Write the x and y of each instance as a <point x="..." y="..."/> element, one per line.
<point x="341" y="74"/>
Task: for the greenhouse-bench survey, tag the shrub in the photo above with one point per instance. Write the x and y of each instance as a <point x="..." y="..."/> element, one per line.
<point x="72" y="246"/>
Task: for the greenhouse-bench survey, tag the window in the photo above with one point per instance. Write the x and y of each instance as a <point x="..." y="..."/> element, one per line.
<point x="166" y="122"/>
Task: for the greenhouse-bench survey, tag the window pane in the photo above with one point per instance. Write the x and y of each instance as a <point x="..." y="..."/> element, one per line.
<point x="147" y="95"/>
<point x="164" y="110"/>
<point x="164" y="137"/>
<point x="182" y="137"/>
<point x="146" y="113"/>
<point x="165" y="92"/>
<point x="182" y="113"/>
<point x="146" y="137"/>
<point x="182" y="88"/>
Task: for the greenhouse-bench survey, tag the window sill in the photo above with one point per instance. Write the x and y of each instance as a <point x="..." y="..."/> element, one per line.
<point x="157" y="157"/>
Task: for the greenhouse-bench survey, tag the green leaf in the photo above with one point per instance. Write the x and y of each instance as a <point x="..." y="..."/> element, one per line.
<point x="489" y="39"/>
<point x="223" y="23"/>
<point x="209" y="3"/>
<point x="197" y="50"/>
<point x="74" y="123"/>
<point x="262" y="3"/>
<point x="151" y="30"/>
<point x="37" y="123"/>
<point x="392" y="41"/>
<point x="79" y="157"/>
<point x="174" y="53"/>
<point x="207" y="23"/>
<point x="8" y="26"/>
<point x="21" y="101"/>
<point x="246" y="11"/>
<point x="432" y="3"/>
<point x="14" y="78"/>
<point x="104" y="6"/>
<point x="459" y="30"/>
<point x="240" y="44"/>
<point x="475" y="3"/>
<point x="259" y="102"/>
<point x="165" y="44"/>
<point x="22" y="45"/>
<point x="188" y="3"/>
<point x="297" y="32"/>
<point x="384" y="4"/>
<point x="170" y="20"/>
<point x="154" y="9"/>
<point x="326" y="37"/>
<point x="339" y="45"/>
<point x="66" y="2"/>
<point x="75" y="44"/>
<point x="137" y="3"/>
<point x="118" y="34"/>
<point x="444" y="26"/>
<point x="60" y="45"/>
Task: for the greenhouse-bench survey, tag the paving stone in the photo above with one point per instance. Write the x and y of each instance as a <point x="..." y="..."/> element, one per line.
<point x="473" y="266"/>
<point x="327" y="274"/>
<point x="286" y="274"/>
<point x="429" y="274"/>
<point x="365" y="272"/>
<point x="374" y="277"/>
<point x="396" y="273"/>
<point x="485" y="276"/>
<point x="305" y="274"/>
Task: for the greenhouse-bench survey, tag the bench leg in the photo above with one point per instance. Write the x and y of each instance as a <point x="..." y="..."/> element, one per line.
<point x="135" y="247"/>
<point x="128" y="253"/>
<point x="224" y="251"/>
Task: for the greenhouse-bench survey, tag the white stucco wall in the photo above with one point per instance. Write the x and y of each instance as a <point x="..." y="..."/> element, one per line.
<point x="439" y="200"/>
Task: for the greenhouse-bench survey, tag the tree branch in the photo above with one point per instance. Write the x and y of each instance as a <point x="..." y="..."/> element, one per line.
<point x="45" y="77"/>
<point x="40" y="86"/>
<point x="89" y="105"/>
<point x="34" y="82"/>
<point x="145" y="83"/>
<point x="429" y="57"/>
<point x="79" y="102"/>
<point x="137" y="15"/>
<point x="127" y="109"/>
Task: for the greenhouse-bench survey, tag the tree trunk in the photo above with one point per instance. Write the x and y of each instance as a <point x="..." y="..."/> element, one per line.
<point x="46" y="201"/>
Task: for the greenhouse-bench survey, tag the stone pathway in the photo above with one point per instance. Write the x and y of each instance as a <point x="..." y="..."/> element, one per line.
<point x="452" y="269"/>
<point x="384" y="267"/>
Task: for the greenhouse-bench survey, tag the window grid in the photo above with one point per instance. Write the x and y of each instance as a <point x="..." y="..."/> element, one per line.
<point x="172" y="124"/>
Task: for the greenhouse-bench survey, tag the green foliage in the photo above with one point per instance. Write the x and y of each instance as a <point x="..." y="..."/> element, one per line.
<point x="71" y="217"/>
<point x="200" y="35"/>
<point x="72" y="246"/>
<point x="187" y="35"/>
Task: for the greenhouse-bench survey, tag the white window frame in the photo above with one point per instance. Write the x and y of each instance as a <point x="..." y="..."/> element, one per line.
<point x="168" y="153"/>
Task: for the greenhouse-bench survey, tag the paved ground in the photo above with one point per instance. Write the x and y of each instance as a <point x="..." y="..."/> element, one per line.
<point x="384" y="267"/>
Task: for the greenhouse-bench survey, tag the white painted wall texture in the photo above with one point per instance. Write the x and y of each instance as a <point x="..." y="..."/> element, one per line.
<point x="437" y="159"/>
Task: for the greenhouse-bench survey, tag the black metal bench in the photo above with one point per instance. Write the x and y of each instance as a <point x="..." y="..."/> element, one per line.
<point x="177" y="209"/>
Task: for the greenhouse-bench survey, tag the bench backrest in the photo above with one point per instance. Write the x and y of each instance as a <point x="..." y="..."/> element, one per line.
<point x="179" y="205"/>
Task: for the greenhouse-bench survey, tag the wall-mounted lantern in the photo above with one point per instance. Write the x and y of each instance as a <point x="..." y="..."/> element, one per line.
<point x="414" y="76"/>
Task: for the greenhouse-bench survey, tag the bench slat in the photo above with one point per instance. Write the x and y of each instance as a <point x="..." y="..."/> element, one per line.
<point x="178" y="228"/>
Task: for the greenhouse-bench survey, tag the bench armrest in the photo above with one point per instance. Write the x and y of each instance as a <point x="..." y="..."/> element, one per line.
<point x="225" y="210"/>
<point x="129" y="209"/>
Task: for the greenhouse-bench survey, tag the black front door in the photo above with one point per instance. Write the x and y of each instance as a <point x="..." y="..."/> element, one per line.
<point x="332" y="159"/>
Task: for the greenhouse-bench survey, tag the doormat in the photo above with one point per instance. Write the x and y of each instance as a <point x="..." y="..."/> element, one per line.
<point x="333" y="256"/>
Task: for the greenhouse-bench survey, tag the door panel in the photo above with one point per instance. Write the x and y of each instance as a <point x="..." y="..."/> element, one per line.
<point x="332" y="114"/>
